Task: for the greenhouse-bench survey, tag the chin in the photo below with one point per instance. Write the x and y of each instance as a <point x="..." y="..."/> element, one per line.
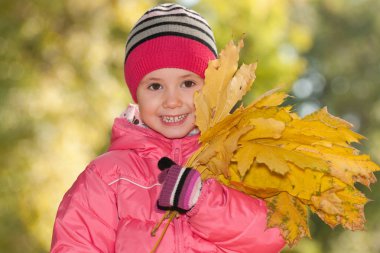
<point x="175" y="135"/>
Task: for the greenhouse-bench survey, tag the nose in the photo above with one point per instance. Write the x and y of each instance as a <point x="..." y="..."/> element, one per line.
<point x="172" y="98"/>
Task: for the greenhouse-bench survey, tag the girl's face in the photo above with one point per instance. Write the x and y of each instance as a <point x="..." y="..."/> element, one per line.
<point x="165" y="98"/>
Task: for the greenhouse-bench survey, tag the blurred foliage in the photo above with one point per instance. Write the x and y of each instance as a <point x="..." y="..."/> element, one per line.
<point x="343" y="74"/>
<point x="61" y="85"/>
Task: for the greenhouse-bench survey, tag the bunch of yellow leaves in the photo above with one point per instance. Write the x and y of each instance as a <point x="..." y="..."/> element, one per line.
<point x="267" y="151"/>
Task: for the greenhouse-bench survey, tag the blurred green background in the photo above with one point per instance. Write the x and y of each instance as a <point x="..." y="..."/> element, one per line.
<point x="61" y="76"/>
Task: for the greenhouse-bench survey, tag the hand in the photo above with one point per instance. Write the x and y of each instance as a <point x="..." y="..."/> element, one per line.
<point x="181" y="187"/>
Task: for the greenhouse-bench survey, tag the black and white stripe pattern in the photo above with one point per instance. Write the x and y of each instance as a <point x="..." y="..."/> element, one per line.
<point x="171" y="19"/>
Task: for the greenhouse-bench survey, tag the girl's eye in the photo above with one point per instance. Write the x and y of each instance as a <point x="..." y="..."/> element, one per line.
<point x="155" y="86"/>
<point x="188" y="84"/>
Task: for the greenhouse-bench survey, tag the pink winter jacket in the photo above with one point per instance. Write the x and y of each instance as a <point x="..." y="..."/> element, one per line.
<point x="112" y="205"/>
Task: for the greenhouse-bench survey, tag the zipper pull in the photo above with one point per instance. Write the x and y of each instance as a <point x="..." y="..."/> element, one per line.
<point x="176" y="156"/>
<point x="177" y="152"/>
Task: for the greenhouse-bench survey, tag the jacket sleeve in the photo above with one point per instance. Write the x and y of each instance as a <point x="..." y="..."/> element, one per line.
<point x="233" y="221"/>
<point x="86" y="220"/>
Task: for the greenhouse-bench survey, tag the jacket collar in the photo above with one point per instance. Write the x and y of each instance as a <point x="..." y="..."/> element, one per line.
<point x="127" y="136"/>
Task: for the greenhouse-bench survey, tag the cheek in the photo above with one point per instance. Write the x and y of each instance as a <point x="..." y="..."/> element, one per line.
<point x="145" y="111"/>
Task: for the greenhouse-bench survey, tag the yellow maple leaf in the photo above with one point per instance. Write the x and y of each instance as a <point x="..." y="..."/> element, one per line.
<point x="340" y="205"/>
<point x="286" y="212"/>
<point x="223" y="87"/>
<point x="220" y="150"/>
<point x="265" y="150"/>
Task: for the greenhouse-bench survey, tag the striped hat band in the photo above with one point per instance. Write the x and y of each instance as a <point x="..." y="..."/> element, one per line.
<point x="171" y="19"/>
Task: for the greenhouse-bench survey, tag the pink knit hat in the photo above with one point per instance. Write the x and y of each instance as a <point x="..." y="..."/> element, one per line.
<point x="168" y="36"/>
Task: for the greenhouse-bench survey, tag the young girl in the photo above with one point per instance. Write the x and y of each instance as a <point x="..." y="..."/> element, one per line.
<point x="118" y="199"/>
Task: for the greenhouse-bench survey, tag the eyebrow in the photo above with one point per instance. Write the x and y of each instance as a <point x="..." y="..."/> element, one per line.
<point x="152" y="79"/>
<point x="159" y="79"/>
<point x="186" y="75"/>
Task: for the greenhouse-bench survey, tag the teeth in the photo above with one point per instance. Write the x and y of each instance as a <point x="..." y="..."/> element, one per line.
<point x="173" y="119"/>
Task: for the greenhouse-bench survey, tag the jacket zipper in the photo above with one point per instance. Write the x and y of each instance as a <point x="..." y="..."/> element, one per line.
<point x="176" y="149"/>
<point x="177" y="221"/>
<point x="178" y="235"/>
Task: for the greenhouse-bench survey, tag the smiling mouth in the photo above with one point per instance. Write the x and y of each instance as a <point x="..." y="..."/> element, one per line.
<point x="173" y="119"/>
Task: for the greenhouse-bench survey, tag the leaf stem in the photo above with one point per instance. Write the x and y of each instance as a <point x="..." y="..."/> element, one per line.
<point x="168" y="215"/>
<point x="157" y="226"/>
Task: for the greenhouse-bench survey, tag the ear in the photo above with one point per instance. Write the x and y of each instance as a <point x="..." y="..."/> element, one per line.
<point x="165" y="163"/>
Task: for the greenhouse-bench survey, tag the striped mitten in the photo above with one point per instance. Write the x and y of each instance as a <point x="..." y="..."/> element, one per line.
<point x="181" y="187"/>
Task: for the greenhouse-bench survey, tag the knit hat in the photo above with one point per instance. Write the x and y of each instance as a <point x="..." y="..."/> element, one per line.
<point x="167" y="36"/>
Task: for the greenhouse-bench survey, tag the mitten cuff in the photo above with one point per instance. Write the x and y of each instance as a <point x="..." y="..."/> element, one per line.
<point x="202" y="197"/>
